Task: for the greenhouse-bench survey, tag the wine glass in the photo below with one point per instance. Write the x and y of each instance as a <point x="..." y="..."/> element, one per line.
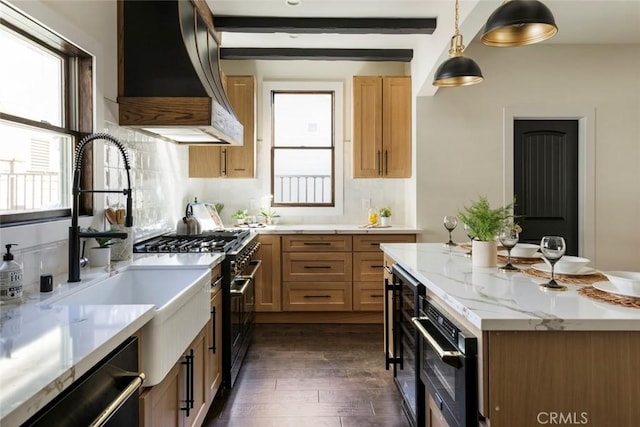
<point x="450" y="223"/>
<point x="552" y="248"/>
<point x="469" y="233"/>
<point x="508" y="238"/>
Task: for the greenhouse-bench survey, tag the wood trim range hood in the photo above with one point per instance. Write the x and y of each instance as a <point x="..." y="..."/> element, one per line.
<point x="169" y="79"/>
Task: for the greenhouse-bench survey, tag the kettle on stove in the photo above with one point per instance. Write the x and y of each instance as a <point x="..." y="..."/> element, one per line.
<point x="188" y="225"/>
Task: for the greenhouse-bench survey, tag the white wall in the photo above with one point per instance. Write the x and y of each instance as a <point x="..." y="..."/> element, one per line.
<point x="459" y="144"/>
<point x="237" y="193"/>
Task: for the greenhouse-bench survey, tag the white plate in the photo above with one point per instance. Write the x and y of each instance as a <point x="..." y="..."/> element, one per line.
<point x="546" y="269"/>
<point x="611" y="288"/>
<point x="506" y="254"/>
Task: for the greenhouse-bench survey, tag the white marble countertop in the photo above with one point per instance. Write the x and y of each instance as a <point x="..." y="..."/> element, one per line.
<point x="492" y="300"/>
<point x="333" y="229"/>
<point x="44" y="348"/>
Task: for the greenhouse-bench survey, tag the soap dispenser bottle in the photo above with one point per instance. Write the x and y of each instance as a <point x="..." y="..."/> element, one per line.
<point x="10" y="277"/>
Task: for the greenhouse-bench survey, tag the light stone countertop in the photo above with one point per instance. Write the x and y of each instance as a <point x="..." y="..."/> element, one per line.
<point x="44" y="348"/>
<point x="492" y="300"/>
<point x="333" y="229"/>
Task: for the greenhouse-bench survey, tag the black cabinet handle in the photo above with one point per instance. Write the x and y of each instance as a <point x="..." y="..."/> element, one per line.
<point x="378" y="162"/>
<point x="386" y="162"/>
<point x="376" y="296"/>
<point x="317" y="266"/>
<point x="224" y="163"/>
<point x="374" y="243"/>
<point x="317" y="296"/>
<point x="188" y="362"/>
<point x="316" y="243"/>
<point x="376" y="266"/>
<point x="213" y="334"/>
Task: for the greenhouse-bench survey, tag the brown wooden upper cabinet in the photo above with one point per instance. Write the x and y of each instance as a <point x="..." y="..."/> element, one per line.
<point x="227" y="161"/>
<point x="381" y="127"/>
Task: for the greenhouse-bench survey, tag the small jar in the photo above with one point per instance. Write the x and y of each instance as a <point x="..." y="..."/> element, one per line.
<point x="373" y="216"/>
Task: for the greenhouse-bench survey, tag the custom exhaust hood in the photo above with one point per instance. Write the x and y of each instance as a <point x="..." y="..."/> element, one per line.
<point x="169" y="79"/>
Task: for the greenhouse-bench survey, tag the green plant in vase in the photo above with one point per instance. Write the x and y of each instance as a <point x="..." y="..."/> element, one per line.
<point x="385" y="214"/>
<point x="484" y="224"/>
<point x="241" y="216"/>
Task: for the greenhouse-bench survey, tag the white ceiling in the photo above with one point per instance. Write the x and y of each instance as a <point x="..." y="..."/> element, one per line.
<point x="579" y="21"/>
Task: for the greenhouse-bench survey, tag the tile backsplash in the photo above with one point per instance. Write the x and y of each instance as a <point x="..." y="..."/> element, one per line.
<point x="158" y="171"/>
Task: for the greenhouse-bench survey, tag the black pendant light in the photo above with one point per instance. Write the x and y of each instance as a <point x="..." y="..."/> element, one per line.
<point x="457" y="70"/>
<point x="518" y="23"/>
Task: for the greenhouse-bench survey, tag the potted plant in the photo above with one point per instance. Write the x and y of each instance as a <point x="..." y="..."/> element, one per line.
<point x="484" y="223"/>
<point x="270" y="216"/>
<point x="385" y="214"/>
<point x="100" y="255"/>
<point x="241" y="216"/>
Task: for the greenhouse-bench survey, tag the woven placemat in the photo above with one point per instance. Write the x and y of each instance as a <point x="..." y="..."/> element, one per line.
<point x="519" y="260"/>
<point x="598" y="295"/>
<point x="582" y="279"/>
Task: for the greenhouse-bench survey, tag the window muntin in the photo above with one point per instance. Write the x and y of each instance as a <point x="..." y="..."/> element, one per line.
<point x="303" y="154"/>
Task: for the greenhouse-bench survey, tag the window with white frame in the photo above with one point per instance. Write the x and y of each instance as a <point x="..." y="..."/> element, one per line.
<point x="40" y="118"/>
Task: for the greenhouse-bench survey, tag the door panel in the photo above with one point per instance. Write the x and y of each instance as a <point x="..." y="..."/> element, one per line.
<point x="546" y="180"/>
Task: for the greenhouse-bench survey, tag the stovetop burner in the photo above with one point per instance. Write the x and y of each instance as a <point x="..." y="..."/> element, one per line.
<point x="214" y="241"/>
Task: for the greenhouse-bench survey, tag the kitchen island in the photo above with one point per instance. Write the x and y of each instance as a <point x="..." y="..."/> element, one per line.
<point x="542" y="356"/>
<point x="47" y="347"/>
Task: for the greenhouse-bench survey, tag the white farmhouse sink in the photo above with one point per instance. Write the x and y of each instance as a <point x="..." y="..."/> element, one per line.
<point x="181" y="299"/>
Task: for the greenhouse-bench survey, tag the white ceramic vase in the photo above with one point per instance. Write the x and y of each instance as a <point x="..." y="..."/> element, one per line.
<point x="99" y="257"/>
<point x="384" y="221"/>
<point x="484" y="254"/>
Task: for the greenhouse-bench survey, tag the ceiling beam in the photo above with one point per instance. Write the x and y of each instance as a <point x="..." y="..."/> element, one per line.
<point x="266" y="24"/>
<point x="395" y="55"/>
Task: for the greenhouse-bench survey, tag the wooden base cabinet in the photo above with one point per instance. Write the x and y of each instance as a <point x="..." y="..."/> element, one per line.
<point x="184" y="387"/>
<point x="213" y="366"/>
<point x="269" y="281"/>
<point x="368" y="268"/>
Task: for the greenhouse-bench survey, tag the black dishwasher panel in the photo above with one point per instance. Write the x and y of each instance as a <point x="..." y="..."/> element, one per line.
<point x="89" y="396"/>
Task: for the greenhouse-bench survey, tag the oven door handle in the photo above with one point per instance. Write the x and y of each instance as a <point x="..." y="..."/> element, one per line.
<point x="237" y="292"/>
<point x="451" y="358"/>
<point x="256" y="263"/>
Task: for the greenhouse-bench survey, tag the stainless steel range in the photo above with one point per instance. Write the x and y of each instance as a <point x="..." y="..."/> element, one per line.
<point x="239" y="270"/>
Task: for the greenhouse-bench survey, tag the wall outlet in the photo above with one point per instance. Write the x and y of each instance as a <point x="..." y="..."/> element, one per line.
<point x="366" y="203"/>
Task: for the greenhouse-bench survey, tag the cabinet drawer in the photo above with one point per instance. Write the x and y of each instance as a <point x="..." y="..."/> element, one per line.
<point x="316" y="266"/>
<point x="368" y="266"/>
<point x="317" y="296"/>
<point x="371" y="242"/>
<point x="316" y="243"/>
<point x="368" y="296"/>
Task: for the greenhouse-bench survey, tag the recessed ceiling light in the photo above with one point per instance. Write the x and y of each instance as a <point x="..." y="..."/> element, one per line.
<point x="293" y="2"/>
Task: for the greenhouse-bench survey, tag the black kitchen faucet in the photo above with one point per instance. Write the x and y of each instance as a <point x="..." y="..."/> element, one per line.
<point x="74" y="231"/>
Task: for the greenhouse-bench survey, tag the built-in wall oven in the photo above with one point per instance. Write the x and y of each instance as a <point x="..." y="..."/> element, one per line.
<point x="402" y="340"/>
<point x="448" y="364"/>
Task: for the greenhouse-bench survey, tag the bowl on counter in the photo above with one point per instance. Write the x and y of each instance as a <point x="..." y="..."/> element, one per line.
<point x="571" y="264"/>
<point x="626" y="281"/>
<point x="524" y="250"/>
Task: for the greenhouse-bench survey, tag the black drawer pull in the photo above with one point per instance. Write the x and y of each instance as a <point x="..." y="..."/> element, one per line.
<point x="375" y="243"/>
<point x="376" y="296"/>
<point x="317" y="296"/>
<point x="317" y="266"/>
<point x="376" y="266"/>
<point x="316" y="243"/>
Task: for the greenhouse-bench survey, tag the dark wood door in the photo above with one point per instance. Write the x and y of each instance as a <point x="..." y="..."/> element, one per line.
<point x="545" y="180"/>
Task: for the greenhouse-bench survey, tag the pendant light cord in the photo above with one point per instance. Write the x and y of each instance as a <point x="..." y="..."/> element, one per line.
<point x="456" y="16"/>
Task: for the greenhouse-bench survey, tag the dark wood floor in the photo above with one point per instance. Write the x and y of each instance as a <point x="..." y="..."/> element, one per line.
<point x="312" y="376"/>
